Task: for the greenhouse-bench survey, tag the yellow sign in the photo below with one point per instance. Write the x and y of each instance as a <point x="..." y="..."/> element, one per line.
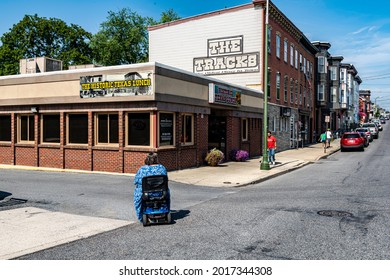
<point x="116" y="84"/>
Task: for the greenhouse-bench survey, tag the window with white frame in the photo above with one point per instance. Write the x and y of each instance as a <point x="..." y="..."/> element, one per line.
<point x="285" y="50"/>
<point x="138" y="129"/>
<point x="333" y="73"/>
<point x="187" y="129"/>
<point x="300" y="62"/>
<point x="5" y="128"/>
<point x="321" y="64"/>
<point x="321" y="92"/>
<point x="277" y="45"/>
<point x="292" y="90"/>
<point x="50" y="127"/>
<point x="107" y="129"/>
<point x="333" y="94"/>
<point x="26" y="132"/>
<point x="292" y="55"/>
<point x="244" y="129"/>
<point x="304" y="65"/>
<point x="296" y="59"/>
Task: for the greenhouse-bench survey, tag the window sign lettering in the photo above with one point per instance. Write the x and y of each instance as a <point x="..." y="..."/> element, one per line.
<point x="226" y="56"/>
<point x="166" y="129"/>
<point x="106" y="85"/>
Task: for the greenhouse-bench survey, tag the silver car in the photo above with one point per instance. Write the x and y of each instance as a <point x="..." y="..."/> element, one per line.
<point x="367" y="131"/>
<point x="373" y="128"/>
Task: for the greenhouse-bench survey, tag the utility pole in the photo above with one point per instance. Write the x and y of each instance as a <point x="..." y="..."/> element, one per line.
<point x="264" y="163"/>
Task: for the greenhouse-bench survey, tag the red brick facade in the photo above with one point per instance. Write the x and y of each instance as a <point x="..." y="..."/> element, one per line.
<point x="123" y="159"/>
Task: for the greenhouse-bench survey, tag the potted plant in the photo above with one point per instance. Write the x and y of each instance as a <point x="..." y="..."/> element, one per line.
<point x="239" y="155"/>
<point x="214" y="157"/>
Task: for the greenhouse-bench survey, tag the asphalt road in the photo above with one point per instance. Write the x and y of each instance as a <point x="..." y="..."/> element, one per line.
<point x="337" y="208"/>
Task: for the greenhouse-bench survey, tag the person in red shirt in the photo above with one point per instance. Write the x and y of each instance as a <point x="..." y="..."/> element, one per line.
<point x="271" y="144"/>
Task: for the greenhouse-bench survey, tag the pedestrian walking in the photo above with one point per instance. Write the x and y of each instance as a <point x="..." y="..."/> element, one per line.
<point x="271" y="145"/>
<point x="328" y="137"/>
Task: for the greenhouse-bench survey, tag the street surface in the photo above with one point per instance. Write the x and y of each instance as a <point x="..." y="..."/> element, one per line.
<point x="337" y="208"/>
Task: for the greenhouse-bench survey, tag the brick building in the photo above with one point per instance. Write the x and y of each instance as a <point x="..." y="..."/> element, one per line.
<point x="109" y="118"/>
<point x="229" y="44"/>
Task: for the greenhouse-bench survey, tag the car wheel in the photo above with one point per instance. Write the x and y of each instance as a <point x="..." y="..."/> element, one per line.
<point x="145" y="220"/>
<point x="169" y="218"/>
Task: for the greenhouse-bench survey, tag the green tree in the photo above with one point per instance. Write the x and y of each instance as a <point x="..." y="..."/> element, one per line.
<point x="123" y="37"/>
<point x="37" y="36"/>
<point x="168" y="16"/>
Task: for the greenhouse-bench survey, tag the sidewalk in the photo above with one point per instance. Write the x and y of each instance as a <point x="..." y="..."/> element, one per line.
<point x="238" y="174"/>
<point x="28" y="229"/>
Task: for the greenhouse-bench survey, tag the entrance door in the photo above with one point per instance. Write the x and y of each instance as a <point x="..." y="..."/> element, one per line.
<point x="217" y="133"/>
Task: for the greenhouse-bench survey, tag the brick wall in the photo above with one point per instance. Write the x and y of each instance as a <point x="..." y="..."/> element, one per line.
<point x="25" y="156"/>
<point x="121" y="159"/>
<point x="50" y="157"/>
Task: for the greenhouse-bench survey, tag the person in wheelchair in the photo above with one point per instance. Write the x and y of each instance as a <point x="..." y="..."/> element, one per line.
<point x="151" y="167"/>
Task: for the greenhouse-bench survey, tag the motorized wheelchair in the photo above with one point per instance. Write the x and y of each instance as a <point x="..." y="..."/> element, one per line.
<point x="155" y="200"/>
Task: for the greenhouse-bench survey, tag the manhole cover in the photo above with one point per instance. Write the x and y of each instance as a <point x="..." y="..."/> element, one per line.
<point x="334" y="213"/>
<point x="12" y="202"/>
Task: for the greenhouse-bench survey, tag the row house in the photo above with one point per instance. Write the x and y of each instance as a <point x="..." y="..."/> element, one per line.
<point x="229" y="44"/>
<point x="337" y="86"/>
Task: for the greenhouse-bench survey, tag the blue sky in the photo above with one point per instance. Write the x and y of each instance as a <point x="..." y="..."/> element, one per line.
<point x="357" y="30"/>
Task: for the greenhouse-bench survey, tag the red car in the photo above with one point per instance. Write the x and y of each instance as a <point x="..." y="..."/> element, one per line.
<point x="352" y="140"/>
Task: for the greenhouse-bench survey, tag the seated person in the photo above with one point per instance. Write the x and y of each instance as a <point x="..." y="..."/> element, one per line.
<point x="151" y="167"/>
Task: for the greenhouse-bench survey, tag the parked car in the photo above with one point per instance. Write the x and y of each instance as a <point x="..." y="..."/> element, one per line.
<point x="351" y="140"/>
<point x="378" y="124"/>
<point x="373" y="128"/>
<point x="367" y="131"/>
<point x="365" y="137"/>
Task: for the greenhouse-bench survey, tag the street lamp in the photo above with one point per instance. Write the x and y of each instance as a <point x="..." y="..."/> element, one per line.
<point x="264" y="163"/>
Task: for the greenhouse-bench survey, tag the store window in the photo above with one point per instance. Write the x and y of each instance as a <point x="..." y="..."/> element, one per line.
<point x="5" y="128"/>
<point x="26" y="128"/>
<point x="166" y="129"/>
<point x="107" y="129"/>
<point x="138" y="129"/>
<point x="77" y="129"/>
<point x="51" y="129"/>
<point x="187" y="129"/>
<point x="244" y="130"/>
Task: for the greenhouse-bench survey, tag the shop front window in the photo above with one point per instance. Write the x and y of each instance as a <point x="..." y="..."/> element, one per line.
<point x="107" y="129"/>
<point x="5" y="128"/>
<point x="187" y="128"/>
<point x="244" y="129"/>
<point x="26" y="128"/>
<point x="138" y="129"/>
<point x="77" y="128"/>
<point x="51" y="129"/>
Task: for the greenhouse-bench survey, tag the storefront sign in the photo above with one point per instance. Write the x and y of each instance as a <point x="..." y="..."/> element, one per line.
<point x="226" y="56"/>
<point x="114" y="85"/>
<point x="224" y="95"/>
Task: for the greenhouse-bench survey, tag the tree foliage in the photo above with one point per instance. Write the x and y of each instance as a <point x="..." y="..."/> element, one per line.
<point x="123" y="37"/>
<point x="34" y="36"/>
